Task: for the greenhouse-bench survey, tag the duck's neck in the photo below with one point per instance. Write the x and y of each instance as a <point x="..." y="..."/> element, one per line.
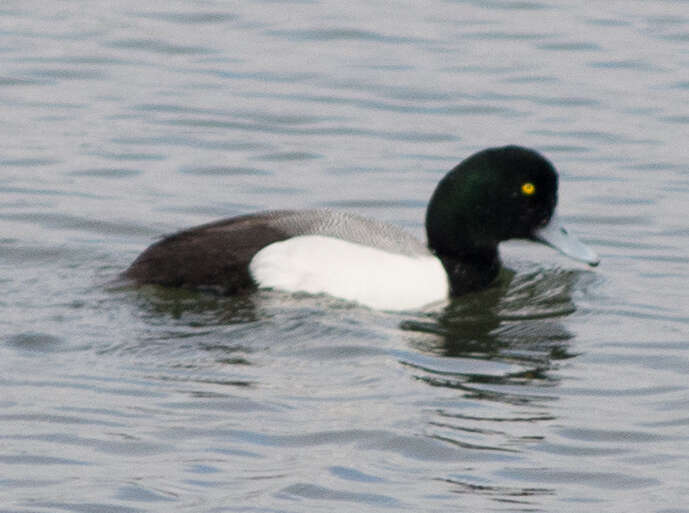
<point x="473" y="271"/>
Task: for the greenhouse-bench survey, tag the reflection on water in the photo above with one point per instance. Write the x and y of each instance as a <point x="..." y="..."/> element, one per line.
<point x="497" y="346"/>
<point x="517" y="320"/>
<point x="514" y="321"/>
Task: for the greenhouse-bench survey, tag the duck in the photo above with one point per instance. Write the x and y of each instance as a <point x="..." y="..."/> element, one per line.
<point x="494" y="195"/>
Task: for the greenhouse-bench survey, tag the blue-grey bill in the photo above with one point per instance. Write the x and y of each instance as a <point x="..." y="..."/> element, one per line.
<point x="556" y="236"/>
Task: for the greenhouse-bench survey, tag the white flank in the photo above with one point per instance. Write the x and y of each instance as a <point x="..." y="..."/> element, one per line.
<point x="369" y="276"/>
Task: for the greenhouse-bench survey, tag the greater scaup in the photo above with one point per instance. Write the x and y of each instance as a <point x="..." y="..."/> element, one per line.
<point x="493" y="195"/>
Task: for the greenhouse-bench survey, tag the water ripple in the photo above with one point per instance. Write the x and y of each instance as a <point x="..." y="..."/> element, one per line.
<point x="337" y="34"/>
<point x="310" y="491"/>
<point x="189" y="17"/>
<point x="156" y="46"/>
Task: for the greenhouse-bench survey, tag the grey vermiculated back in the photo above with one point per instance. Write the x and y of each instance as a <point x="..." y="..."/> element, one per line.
<point x="349" y="227"/>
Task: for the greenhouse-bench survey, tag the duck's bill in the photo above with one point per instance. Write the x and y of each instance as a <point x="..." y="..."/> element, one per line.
<point x="555" y="235"/>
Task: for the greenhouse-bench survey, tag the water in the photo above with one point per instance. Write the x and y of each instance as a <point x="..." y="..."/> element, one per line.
<point x="564" y="389"/>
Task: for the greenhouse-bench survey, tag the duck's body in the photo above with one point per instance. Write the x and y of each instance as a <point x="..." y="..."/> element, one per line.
<point x="492" y="196"/>
<point x="314" y="251"/>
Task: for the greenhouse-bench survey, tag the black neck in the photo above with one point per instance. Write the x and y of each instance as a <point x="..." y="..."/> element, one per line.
<point x="471" y="271"/>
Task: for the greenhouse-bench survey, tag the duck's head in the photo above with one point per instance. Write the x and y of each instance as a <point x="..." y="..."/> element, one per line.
<point x="495" y="195"/>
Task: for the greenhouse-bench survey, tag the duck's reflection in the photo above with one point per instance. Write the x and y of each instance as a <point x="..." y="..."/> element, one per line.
<point x="512" y="331"/>
<point x="521" y="319"/>
<point x="498" y="353"/>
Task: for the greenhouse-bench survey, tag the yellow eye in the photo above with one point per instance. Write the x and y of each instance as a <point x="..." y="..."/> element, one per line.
<point x="528" y="189"/>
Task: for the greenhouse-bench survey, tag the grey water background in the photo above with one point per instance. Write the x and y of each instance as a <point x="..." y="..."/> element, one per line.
<point x="564" y="389"/>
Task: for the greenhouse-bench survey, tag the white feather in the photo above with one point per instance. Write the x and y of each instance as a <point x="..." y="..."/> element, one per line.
<point x="366" y="275"/>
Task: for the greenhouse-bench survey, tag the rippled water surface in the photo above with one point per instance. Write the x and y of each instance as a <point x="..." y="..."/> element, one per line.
<point x="562" y="389"/>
